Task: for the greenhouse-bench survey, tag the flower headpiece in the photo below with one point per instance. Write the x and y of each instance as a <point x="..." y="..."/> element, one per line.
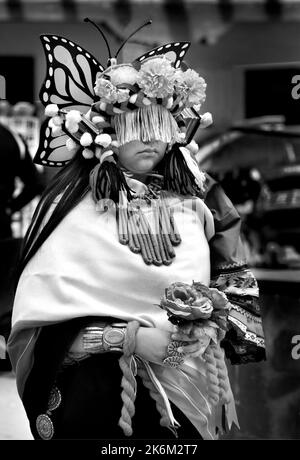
<point x="96" y="109"/>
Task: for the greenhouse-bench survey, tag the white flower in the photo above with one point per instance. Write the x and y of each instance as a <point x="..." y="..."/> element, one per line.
<point x="157" y="77"/>
<point x="73" y="116"/>
<point x="106" y="90"/>
<point x="86" y="140"/>
<point x="191" y="87"/>
<point x="206" y="120"/>
<point x="71" y="145"/>
<point x="103" y="139"/>
<point x="51" y="110"/>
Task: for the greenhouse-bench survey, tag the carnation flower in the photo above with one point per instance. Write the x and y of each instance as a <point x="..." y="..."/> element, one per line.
<point x="191" y="86"/>
<point x="157" y="77"/>
<point x="106" y="90"/>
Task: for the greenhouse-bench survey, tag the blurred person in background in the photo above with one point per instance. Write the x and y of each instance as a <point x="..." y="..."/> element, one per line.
<point x="16" y="162"/>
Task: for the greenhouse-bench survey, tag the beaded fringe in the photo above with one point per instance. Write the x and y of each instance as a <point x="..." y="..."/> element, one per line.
<point x="156" y="247"/>
<point x="146" y="124"/>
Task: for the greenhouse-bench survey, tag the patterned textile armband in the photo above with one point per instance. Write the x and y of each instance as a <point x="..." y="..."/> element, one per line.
<point x="244" y="340"/>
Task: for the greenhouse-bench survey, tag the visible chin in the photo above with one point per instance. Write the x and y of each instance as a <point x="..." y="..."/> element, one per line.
<point x="145" y="166"/>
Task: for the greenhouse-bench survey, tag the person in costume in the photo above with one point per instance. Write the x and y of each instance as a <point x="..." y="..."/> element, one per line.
<point x="133" y="283"/>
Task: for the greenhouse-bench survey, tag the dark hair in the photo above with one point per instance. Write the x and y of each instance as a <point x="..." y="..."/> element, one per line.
<point x="72" y="183"/>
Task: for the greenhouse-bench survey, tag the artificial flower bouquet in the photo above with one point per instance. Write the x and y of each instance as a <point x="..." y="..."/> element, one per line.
<point x="197" y="310"/>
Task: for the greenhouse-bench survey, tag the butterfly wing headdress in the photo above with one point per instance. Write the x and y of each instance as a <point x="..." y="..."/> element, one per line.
<point x="69" y="86"/>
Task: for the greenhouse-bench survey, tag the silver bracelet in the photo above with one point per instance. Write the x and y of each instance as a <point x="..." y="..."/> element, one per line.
<point x="104" y="337"/>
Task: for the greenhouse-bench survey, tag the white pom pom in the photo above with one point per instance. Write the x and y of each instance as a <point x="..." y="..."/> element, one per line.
<point x="103" y="139"/>
<point x="193" y="147"/>
<point x="71" y="145"/>
<point x="51" y="110"/>
<point x="115" y="144"/>
<point x="56" y="130"/>
<point x="86" y="140"/>
<point x="103" y="106"/>
<point x="72" y="127"/>
<point x="57" y="121"/>
<point x="98" y="119"/>
<point x="197" y="107"/>
<point x="206" y="120"/>
<point x="146" y="101"/>
<point x="88" y="154"/>
<point x="74" y="116"/>
<point x="133" y="98"/>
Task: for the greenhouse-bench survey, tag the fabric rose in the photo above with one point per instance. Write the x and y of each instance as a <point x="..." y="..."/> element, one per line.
<point x="185" y="302"/>
<point x="157" y="77"/>
<point x="105" y="90"/>
<point x="191" y="86"/>
<point x="196" y="307"/>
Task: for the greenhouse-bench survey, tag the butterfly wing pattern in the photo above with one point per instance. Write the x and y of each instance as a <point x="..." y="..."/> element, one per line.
<point x="173" y="51"/>
<point x="52" y="149"/>
<point x="71" y="74"/>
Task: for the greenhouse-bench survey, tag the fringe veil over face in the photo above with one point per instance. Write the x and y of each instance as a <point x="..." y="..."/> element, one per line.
<point x="146" y="124"/>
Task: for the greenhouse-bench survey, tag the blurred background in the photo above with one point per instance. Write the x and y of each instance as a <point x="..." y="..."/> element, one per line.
<point x="249" y="54"/>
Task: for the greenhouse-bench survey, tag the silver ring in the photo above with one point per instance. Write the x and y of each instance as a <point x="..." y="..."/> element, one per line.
<point x="174" y="358"/>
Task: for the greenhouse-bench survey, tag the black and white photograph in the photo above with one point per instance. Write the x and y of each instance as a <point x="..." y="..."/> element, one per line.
<point x="149" y="223"/>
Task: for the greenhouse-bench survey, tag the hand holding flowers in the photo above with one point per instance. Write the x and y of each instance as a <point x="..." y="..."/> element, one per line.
<point x="199" y="312"/>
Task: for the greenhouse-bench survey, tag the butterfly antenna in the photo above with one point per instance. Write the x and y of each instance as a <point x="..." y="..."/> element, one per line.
<point x="104" y="38"/>
<point x="133" y="33"/>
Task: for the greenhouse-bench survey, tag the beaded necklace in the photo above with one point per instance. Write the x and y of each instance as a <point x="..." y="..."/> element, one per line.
<point x="155" y="242"/>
